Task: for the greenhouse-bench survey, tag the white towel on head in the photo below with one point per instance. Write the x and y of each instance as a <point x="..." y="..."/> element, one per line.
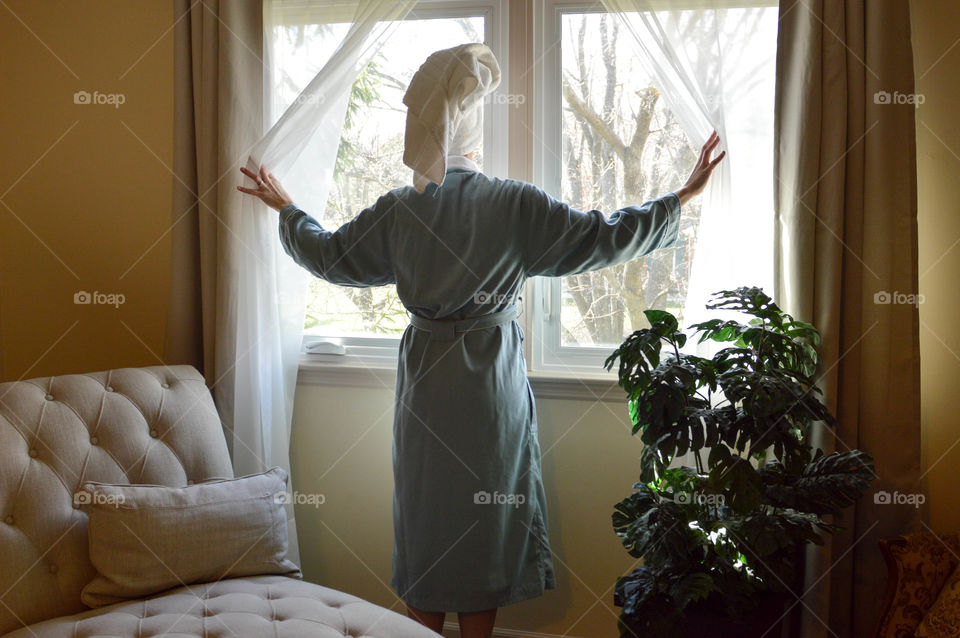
<point x="444" y="108"/>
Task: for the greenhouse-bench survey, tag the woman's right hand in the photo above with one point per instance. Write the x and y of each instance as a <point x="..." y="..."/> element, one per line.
<point x="702" y="170"/>
<point x="268" y="189"/>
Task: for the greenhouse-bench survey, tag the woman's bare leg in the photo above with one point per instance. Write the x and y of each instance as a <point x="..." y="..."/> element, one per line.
<point x="477" y="624"/>
<point x="429" y="619"/>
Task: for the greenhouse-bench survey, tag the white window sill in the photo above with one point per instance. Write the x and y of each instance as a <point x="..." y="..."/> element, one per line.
<point x="335" y="371"/>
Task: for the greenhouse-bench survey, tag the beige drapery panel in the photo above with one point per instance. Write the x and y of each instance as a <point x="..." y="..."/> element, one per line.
<point x="846" y="230"/>
<point x="217" y="63"/>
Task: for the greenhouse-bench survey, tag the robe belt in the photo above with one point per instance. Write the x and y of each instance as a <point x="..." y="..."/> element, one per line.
<point x="448" y="329"/>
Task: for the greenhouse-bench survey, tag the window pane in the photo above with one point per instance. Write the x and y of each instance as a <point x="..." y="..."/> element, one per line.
<point x="621" y="146"/>
<point x="370" y="157"/>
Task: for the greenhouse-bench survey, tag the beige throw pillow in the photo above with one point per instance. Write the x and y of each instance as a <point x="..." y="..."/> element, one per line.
<point x="145" y="539"/>
<point x="943" y="618"/>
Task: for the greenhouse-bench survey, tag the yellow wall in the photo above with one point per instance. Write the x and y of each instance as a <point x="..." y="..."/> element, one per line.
<point x="936" y="27"/>
<point x="83" y="198"/>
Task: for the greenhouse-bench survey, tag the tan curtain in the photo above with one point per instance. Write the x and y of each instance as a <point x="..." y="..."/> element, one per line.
<point x="217" y="63"/>
<point x="846" y="233"/>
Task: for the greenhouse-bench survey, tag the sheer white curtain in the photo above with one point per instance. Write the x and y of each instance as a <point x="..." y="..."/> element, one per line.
<point x="715" y="69"/>
<point x="265" y="289"/>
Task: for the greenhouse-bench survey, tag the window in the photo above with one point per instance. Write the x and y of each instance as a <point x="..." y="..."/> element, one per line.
<point x="369" y="321"/>
<point x="606" y="138"/>
<point x="603" y="136"/>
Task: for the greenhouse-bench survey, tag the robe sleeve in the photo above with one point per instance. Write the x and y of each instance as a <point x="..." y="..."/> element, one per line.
<point x="561" y="240"/>
<point x="357" y="254"/>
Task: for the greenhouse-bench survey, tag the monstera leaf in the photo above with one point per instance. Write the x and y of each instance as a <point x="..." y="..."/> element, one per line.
<point x="649" y="525"/>
<point x="829" y="484"/>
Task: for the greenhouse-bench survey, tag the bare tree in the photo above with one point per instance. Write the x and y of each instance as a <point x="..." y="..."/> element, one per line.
<point x="614" y="158"/>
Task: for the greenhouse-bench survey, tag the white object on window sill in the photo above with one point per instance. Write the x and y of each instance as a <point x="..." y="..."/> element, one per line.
<point x="325" y="347"/>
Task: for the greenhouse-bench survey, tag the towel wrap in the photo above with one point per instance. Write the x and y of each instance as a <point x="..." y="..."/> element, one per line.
<point x="444" y="108"/>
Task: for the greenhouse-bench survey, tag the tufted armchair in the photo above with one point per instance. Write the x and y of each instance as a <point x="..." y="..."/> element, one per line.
<point x="154" y="425"/>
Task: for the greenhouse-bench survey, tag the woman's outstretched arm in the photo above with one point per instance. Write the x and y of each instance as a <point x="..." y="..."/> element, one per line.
<point x="561" y="240"/>
<point x="356" y="254"/>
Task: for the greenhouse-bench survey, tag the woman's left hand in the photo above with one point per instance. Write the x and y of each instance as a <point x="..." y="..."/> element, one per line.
<point x="702" y="170"/>
<point x="268" y="189"/>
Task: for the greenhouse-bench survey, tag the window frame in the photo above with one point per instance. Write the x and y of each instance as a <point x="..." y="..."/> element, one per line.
<point x="547" y="354"/>
<point x="534" y="136"/>
<point x="370" y="351"/>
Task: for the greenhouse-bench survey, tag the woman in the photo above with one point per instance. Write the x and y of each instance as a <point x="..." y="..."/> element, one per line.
<point x="469" y="508"/>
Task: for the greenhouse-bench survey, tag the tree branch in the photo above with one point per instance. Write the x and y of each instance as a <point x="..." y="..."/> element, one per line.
<point x="594" y="120"/>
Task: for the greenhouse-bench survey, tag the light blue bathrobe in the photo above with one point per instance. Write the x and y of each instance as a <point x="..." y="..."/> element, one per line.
<point x="469" y="508"/>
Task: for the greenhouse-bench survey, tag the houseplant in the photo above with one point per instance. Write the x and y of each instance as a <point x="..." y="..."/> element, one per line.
<point x="720" y="540"/>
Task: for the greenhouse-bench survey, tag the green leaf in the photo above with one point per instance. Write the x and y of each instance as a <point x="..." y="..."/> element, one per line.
<point x="719" y="455"/>
<point x="662" y="322"/>
<point x="827" y="485"/>
<point x="745" y="486"/>
<point x="634" y="414"/>
<point x="692" y="587"/>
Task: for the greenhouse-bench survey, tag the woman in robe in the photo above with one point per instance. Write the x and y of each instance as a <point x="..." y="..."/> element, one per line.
<point x="470" y="519"/>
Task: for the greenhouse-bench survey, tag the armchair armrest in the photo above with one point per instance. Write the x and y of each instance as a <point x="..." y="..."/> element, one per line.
<point x="918" y="566"/>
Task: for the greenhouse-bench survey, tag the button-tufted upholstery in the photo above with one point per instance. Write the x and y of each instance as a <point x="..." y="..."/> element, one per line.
<point x="154" y="425"/>
<point x="274" y="606"/>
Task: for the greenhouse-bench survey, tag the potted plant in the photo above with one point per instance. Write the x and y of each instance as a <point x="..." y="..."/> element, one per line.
<point x="720" y="540"/>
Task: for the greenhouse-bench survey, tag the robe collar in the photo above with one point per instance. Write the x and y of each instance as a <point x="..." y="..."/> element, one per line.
<point x="461" y="162"/>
